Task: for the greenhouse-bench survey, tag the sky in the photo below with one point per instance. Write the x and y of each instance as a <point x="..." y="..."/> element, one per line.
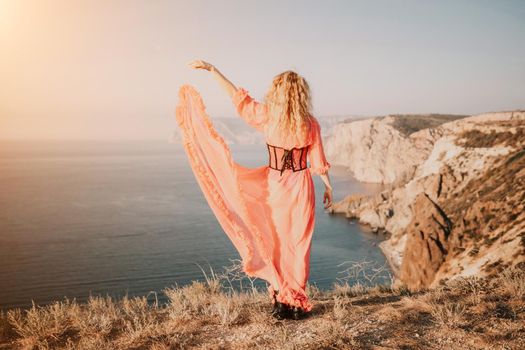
<point x="111" y="70"/>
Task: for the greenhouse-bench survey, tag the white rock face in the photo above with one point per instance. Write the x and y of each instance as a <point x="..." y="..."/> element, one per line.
<point x="444" y="150"/>
<point x="496" y="116"/>
<point x="373" y="150"/>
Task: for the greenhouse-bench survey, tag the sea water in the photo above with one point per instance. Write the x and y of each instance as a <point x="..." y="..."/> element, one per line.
<point x="80" y="218"/>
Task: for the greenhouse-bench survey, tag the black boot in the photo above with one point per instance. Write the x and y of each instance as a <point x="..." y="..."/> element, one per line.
<point x="297" y="313"/>
<point x="282" y="311"/>
<point x="275" y="302"/>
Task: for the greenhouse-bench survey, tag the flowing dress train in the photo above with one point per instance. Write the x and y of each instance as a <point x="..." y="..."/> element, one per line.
<point x="268" y="215"/>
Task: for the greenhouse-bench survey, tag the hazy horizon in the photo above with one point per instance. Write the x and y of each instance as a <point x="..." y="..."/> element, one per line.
<point x="111" y="70"/>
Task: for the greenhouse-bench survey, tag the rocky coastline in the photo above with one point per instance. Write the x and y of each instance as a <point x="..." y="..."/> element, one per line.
<point x="455" y="205"/>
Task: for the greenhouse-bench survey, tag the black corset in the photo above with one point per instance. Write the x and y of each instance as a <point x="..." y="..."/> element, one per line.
<point x="281" y="158"/>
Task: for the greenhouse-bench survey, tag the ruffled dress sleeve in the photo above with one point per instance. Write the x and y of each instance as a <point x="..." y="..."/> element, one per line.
<point x="318" y="162"/>
<point x="252" y="111"/>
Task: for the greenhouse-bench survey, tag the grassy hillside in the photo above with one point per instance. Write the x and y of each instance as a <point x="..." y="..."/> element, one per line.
<point x="409" y="123"/>
<point x="463" y="314"/>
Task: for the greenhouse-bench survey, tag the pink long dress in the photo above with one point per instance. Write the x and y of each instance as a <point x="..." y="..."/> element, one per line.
<point x="268" y="215"/>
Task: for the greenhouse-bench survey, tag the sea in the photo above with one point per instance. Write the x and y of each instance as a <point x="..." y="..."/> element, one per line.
<point x="116" y="218"/>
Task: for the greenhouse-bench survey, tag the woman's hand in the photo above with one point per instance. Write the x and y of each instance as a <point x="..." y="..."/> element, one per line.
<point x="328" y="197"/>
<point x="223" y="81"/>
<point x="200" y="64"/>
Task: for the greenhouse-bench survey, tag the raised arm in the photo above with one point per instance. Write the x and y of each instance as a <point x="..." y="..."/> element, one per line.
<point x="252" y="111"/>
<point x="223" y="81"/>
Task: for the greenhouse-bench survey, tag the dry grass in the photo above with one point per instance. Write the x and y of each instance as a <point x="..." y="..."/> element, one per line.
<point x="465" y="313"/>
<point x="514" y="283"/>
<point x="410" y="123"/>
<point x="478" y="138"/>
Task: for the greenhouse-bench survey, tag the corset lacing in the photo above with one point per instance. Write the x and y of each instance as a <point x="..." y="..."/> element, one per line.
<point x="287" y="159"/>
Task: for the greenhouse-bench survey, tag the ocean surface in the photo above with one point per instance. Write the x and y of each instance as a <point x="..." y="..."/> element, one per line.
<point x="80" y="218"/>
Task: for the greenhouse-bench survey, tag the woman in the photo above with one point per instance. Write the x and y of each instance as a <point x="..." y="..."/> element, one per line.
<point x="268" y="212"/>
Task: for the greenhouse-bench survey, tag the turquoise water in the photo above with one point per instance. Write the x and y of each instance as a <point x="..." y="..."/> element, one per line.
<point x="115" y="218"/>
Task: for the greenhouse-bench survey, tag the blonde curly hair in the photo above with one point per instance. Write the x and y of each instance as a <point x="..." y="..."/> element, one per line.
<point x="289" y="103"/>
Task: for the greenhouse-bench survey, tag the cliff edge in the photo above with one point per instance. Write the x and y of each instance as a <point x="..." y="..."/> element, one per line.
<point x="456" y="206"/>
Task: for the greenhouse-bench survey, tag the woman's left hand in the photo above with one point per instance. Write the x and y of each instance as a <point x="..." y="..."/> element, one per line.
<point x="328" y="198"/>
<point x="200" y="64"/>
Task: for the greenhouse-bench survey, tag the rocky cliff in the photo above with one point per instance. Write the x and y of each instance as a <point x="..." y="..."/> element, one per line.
<point x="460" y="210"/>
<point x="384" y="149"/>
